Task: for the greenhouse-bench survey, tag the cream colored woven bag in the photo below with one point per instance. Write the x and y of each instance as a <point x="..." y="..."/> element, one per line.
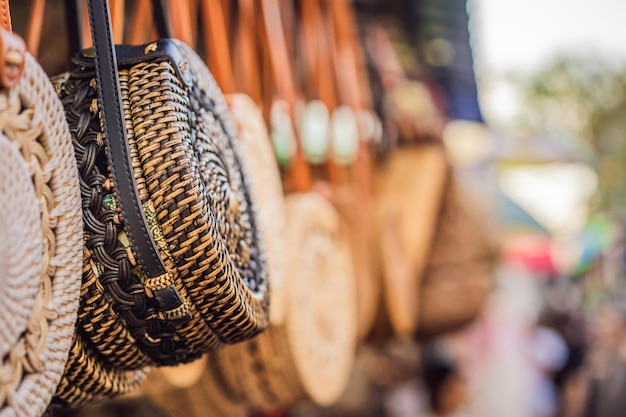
<point x="267" y="191"/>
<point x="37" y="312"/>
<point x="310" y="357"/>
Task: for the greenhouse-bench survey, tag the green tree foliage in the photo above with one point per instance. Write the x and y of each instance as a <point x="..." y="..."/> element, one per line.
<point x="583" y="97"/>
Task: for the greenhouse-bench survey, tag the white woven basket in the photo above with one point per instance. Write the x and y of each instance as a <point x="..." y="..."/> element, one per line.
<point x="33" y="118"/>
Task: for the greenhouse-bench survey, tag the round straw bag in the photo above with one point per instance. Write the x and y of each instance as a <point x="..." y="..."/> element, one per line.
<point x="199" y="214"/>
<point x="41" y="229"/>
<point x="204" y="398"/>
<point x="458" y="275"/>
<point x="267" y="192"/>
<point x="409" y="191"/>
<point x="309" y="357"/>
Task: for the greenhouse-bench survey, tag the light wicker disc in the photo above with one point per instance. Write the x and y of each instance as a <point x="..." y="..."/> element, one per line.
<point x="32" y="116"/>
<point x="309" y="356"/>
<point x="21" y="248"/>
<point x="267" y="191"/>
<point x="409" y="190"/>
<point x="321" y="311"/>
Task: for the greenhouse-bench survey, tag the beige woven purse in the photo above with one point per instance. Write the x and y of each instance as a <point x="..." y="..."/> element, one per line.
<point x="309" y="357"/>
<point x="458" y="275"/>
<point x="41" y="230"/>
<point x="409" y="189"/>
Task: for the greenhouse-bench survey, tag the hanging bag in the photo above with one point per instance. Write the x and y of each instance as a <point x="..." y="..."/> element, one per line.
<point x="308" y="354"/>
<point x="40" y="232"/>
<point x="172" y="262"/>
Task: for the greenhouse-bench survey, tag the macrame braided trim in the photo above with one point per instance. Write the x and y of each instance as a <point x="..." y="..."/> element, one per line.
<point x="33" y="117"/>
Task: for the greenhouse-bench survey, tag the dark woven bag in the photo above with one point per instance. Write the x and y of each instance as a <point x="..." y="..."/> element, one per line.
<point x="173" y="266"/>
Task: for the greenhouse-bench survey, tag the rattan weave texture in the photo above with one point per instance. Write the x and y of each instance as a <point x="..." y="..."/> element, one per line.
<point x="32" y="117"/>
<point x="196" y="198"/>
<point x="310" y="356"/>
<point x="457" y="279"/>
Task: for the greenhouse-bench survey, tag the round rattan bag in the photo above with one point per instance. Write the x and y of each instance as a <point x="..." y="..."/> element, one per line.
<point x="205" y="398"/>
<point x="309" y="357"/>
<point x="458" y="276"/>
<point x="267" y="191"/>
<point x="409" y="189"/>
<point x="194" y="192"/>
<point x="40" y="241"/>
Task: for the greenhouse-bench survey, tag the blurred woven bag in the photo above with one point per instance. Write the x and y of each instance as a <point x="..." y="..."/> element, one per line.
<point x="409" y="188"/>
<point x="310" y="356"/>
<point x="173" y="266"/>
<point x="308" y="350"/>
<point x="40" y="232"/>
<point x="458" y="275"/>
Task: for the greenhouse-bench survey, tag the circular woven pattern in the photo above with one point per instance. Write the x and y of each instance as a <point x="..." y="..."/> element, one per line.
<point x="267" y="192"/>
<point x="309" y="357"/>
<point x="196" y="199"/>
<point x="321" y="323"/>
<point x="32" y="118"/>
<point x="21" y="246"/>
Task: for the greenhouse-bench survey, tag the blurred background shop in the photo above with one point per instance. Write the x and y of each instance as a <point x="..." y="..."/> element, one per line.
<point x="496" y="182"/>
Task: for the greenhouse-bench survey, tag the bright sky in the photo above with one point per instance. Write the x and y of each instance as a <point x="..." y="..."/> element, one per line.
<point x="521" y="36"/>
<point x="511" y="35"/>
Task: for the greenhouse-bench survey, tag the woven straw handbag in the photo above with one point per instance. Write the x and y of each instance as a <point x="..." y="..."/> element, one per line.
<point x="343" y="147"/>
<point x="40" y="233"/>
<point x="204" y="398"/>
<point x="257" y="152"/>
<point x="310" y="357"/>
<point x="173" y="266"/>
<point x="458" y="275"/>
<point x="409" y="189"/>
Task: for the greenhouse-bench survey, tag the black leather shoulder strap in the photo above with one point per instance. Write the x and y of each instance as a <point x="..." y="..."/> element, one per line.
<point x="117" y="146"/>
<point x="160" y="15"/>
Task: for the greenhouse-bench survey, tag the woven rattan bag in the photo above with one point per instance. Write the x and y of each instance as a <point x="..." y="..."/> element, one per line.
<point x="310" y="357"/>
<point x="409" y="188"/>
<point x="458" y="275"/>
<point x="173" y="266"/>
<point x="171" y="386"/>
<point x="40" y="238"/>
<point x="258" y="155"/>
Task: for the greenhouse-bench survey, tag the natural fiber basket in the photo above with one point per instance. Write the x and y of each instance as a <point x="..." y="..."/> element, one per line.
<point x="43" y="222"/>
<point x="409" y="189"/>
<point x="205" y="398"/>
<point x="267" y="191"/>
<point x="195" y="195"/>
<point x="458" y="275"/>
<point x="309" y="357"/>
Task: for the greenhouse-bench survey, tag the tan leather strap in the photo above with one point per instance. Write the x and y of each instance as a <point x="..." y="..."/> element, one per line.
<point x="247" y="69"/>
<point x="344" y="50"/>
<point x="282" y="74"/>
<point x="6" y="15"/>
<point x="317" y="59"/>
<point x="117" y="18"/>
<point x="216" y="42"/>
<point x="140" y="29"/>
<point x="180" y="15"/>
<point x="35" y="23"/>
